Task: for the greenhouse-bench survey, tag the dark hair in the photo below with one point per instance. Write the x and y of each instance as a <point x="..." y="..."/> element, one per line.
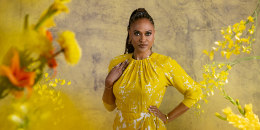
<point x="137" y="14"/>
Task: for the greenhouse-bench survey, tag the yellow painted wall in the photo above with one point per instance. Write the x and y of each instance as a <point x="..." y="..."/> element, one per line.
<point x="183" y="29"/>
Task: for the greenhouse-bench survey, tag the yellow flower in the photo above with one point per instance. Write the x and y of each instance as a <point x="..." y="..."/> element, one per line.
<point x="229" y="30"/>
<point x="206" y="68"/>
<point x="228" y="55"/>
<point x="231" y="44"/>
<point x="69" y="83"/>
<point x="227" y="37"/>
<point x="220" y="65"/>
<point x="252" y="29"/>
<point x="222" y="31"/>
<point x="249" y="121"/>
<point x="237" y="50"/>
<point x="211" y="55"/>
<point x="223" y="44"/>
<point x="46" y="19"/>
<point x="59" y="7"/>
<point x="235" y="27"/>
<point x="69" y="45"/>
<point x="227" y="111"/>
<point x="242" y="26"/>
<point x="215" y="49"/>
<point x="218" y="43"/>
<point x="205" y="52"/>
<point x="251" y="19"/>
<point x="245" y="40"/>
<point x="62" y="82"/>
<point x="46" y="75"/>
<point x="213" y="70"/>
<point x="237" y="36"/>
<point x="223" y="53"/>
<point x="229" y="67"/>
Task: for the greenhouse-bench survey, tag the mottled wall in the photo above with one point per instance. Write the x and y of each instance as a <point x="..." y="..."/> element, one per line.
<point x="183" y="29"/>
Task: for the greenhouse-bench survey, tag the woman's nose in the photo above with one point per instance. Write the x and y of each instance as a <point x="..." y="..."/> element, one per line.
<point x="142" y="38"/>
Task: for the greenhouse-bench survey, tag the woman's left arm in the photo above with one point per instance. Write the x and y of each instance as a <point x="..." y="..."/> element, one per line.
<point x="176" y="112"/>
<point x="191" y="90"/>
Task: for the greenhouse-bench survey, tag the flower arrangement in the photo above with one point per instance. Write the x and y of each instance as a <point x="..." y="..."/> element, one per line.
<point x="24" y="65"/>
<point x="237" y="39"/>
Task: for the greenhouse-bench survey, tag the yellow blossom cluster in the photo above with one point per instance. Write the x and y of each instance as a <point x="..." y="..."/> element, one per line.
<point x="236" y="39"/>
<point x="69" y="45"/>
<point x="214" y="75"/>
<point x="47" y="90"/>
<point x="249" y="121"/>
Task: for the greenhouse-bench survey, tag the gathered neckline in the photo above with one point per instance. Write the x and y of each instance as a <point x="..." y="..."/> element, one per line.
<point x="131" y="56"/>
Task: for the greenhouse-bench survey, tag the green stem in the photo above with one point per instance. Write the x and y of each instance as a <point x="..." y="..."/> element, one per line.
<point x="236" y="103"/>
<point x="244" y="59"/>
<point x="49" y="14"/>
<point x="57" y="53"/>
<point x="26" y="21"/>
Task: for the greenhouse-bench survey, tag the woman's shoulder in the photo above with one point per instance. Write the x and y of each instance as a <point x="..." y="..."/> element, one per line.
<point x="118" y="59"/>
<point x="162" y="58"/>
<point x="121" y="58"/>
<point x="164" y="62"/>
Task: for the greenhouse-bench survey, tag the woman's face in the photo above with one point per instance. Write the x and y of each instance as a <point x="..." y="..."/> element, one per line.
<point x="141" y="35"/>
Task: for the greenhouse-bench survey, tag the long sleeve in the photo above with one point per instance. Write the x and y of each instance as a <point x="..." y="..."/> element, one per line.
<point x="110" y="107"/>
<point x="178" y="78"/>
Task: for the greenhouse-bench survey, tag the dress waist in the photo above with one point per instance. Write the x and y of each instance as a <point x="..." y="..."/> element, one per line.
<point x="133" y="115"/>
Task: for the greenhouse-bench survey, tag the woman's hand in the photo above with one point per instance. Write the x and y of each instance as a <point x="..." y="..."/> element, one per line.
<point x="115" y="73"/>
<point x="158" y="113"/>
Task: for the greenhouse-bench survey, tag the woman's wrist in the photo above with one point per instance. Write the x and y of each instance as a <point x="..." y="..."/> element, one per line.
<point x="167" y="118"/>
<point x="108" y="86"/>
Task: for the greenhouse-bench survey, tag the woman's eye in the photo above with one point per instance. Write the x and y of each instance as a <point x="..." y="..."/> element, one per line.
<point x="136" y="33"/>
<point x="148" y="33"/>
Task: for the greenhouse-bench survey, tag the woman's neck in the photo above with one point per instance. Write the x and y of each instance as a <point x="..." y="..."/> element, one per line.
<point x="141" y="55"/>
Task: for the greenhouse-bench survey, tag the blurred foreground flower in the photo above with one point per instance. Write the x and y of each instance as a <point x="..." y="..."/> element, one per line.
<point x="70" y="47"/>
<point x="18" y="76"/>
<point x="35" y="50"/>
<point x="248" y="121"/>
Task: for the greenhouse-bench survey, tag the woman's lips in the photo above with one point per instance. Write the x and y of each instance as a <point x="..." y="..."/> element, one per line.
<point x="143" y="45"/>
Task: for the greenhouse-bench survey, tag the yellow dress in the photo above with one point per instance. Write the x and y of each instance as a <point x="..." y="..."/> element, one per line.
<point x="142" y="84"/>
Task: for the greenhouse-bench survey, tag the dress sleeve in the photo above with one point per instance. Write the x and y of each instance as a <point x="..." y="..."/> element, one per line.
<point x="178" y="78"/>
<point x="110" y="107"/>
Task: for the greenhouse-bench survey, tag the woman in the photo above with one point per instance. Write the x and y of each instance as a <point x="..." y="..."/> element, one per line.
<point x="137" y="80"/>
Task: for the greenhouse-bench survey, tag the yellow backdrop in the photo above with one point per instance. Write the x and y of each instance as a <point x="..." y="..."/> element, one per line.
<point x="184" y="28"/>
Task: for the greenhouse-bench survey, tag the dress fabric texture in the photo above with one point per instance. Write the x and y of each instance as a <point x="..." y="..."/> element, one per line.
<point x="142" y="84"/>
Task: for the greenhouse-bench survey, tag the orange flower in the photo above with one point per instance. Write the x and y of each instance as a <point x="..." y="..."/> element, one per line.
<point x="49" y="36"/>
<point x="52" y="63"/>
<point x="18" y="76"/>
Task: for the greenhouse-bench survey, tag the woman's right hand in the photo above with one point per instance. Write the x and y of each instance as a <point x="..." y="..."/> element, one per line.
<point x="115" y="73"/>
